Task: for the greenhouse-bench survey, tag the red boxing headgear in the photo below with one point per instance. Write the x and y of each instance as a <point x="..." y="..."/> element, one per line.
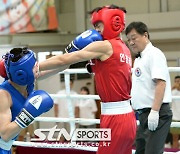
<point x="113" y="20"/>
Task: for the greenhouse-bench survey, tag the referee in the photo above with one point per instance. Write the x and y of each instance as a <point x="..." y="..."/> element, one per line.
<point x="151" y="91"/>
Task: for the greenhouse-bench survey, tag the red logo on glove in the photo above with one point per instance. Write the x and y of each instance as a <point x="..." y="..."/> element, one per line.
<point x="2" y="69"/>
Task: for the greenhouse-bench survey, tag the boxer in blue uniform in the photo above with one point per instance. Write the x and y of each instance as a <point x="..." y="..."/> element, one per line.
<point x="19" y="104"/>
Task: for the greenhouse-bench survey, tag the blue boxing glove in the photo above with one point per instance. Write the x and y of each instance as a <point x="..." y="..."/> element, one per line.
<point x="38" y="102"/>
<point x="83" y="40"/>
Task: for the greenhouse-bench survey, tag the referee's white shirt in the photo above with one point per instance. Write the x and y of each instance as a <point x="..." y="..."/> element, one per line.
<point x="151" y="65"/>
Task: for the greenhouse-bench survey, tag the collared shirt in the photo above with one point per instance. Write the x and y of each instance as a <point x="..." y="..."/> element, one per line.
<point x="150" y="66"/>
<point x="176" y="105"/>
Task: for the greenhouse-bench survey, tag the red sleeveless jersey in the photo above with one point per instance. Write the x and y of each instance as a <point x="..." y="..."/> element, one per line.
<point x="113" y="76"/>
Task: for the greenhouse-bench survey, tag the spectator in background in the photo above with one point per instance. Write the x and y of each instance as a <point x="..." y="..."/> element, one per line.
<point x="176" y="112"/>
<point x="86" y="108"/>
<point x="61" y="107"/>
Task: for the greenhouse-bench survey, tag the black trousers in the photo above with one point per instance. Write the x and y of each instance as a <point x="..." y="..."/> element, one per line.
<point x="152" y="142"/>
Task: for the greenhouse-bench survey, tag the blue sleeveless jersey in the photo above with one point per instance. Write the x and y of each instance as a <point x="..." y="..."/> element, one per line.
<point x="18" y="102"/>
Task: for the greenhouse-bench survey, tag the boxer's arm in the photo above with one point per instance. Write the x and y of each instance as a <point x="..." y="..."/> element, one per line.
<point x="46" y="74"/>
<point x="40" y="75"/>
<point x="8" y="129"/>
<point x="96" y="50"/>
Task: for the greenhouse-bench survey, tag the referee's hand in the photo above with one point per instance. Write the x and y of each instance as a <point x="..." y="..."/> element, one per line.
<point x="153" y="120"/>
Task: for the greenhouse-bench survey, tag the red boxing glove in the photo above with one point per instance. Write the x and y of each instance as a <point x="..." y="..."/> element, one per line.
<point x="2" y="69"/>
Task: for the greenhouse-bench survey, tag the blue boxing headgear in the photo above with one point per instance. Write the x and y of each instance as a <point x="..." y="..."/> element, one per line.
<point x="19" y="67"/>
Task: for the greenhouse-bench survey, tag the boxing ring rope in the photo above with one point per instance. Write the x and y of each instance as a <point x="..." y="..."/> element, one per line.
<point x="54" y="145"/>
<point x="72" y="120"/>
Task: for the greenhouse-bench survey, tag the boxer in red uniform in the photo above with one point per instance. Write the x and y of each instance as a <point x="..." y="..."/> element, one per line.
<point x="111" y="65"/>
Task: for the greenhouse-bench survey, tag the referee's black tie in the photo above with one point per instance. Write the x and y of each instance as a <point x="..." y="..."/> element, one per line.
<point x="138" y="55"/>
